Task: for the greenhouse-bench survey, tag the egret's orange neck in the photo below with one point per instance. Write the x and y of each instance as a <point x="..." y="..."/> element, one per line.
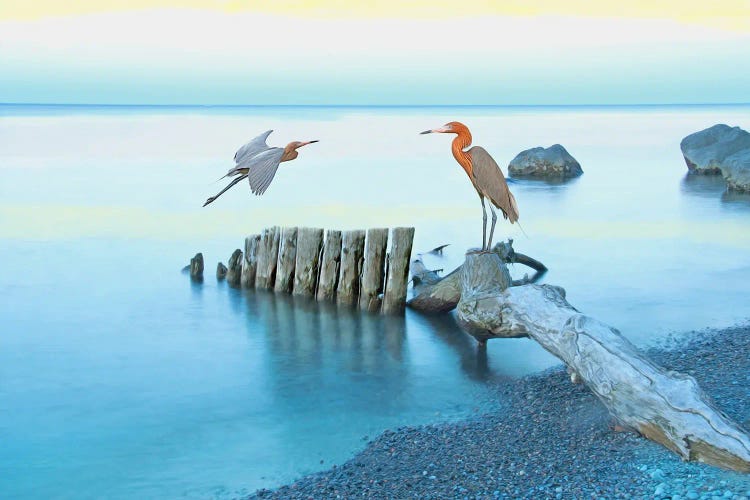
<point x="290" y="153"/>
<point x="461" y="142"/>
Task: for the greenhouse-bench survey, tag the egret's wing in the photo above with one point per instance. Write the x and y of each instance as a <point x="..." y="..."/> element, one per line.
<point x="491" y="182"/>
<point x="262" y="168"/>
<point x="252" y="148"/>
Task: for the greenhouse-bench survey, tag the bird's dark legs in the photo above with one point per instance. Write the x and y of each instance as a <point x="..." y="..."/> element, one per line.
<point x="484" y="225"/>
<point x="211" y="199"/>
<point x="492" y="229"/>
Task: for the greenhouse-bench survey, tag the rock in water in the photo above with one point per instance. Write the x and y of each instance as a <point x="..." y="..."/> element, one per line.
<point x="221" y="271"/>
<point x="196" y="267"/>
<point x="736" y="170"/>
<point x="552" y="162"/>
<point x="712" y="150"/>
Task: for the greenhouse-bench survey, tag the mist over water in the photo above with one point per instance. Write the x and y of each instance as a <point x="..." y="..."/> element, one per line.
<point x="120" y="378"/>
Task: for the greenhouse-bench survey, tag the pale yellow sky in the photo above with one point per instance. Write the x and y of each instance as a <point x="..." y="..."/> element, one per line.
<point x="728" y="14"/>
<point x="378" y="52"/>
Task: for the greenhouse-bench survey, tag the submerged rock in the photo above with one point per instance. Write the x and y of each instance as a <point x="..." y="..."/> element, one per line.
<point x="553" y="161"/>
<point x="708" y="151"/>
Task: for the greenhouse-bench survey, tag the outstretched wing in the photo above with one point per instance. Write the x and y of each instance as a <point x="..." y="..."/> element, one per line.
<point x="262" y="168"/>
<point x="490" y="181"/>
<point x="252" y="148"/>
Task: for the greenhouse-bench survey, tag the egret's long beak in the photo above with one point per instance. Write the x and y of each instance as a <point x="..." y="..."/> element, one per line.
<point x="439" y="130"/>
<point x="308" y="142"/>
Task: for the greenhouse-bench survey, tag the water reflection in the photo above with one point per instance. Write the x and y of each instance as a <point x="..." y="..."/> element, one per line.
<point x="737" y="199"/>
<point x="704" y="186"/>
<point x="714" y="187"/>
<point x="473" y="359"/>
<point x="534" y="181"/>
<point x="196" y="287"/>
<point x="310" y="337"/>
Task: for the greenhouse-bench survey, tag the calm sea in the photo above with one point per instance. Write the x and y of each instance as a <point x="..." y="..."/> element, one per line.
<point x="121" y="379"/>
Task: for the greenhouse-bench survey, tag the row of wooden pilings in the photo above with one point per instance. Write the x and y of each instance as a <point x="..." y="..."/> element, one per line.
<point x="350" y="267"/>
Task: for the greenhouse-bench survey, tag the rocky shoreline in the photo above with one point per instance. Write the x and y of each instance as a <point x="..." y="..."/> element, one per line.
<point x="550" y="439"/>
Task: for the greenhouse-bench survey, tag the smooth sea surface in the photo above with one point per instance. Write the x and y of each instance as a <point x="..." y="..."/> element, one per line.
<point x="120" y="378"/>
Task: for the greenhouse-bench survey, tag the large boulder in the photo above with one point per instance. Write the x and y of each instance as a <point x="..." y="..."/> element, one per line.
<point x="707" y="151"/>
<point x="736" y="170"/>
<point x="552" y="162"/>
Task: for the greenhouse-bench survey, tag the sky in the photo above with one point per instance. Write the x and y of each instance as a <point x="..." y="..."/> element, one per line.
<point x="385" y="52"/>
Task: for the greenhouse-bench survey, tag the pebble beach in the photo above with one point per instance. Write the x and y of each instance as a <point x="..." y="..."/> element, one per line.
<point x="550" y="439"/>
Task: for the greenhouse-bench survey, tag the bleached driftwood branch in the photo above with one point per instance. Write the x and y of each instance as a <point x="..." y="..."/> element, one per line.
<point x="433" y="294"/>
<point x="665" y="406"/>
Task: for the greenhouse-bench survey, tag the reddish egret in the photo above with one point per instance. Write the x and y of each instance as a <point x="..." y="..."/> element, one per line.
<point x="484" y="174"/>
<point x="258" y="162"/>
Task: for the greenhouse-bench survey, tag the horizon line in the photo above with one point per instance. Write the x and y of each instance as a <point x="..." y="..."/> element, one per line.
<point x="356" y="105"/>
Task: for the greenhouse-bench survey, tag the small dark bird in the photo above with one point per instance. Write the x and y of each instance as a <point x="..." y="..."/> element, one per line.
<point x="484" y="174"/>
<point x="259" y="162"/>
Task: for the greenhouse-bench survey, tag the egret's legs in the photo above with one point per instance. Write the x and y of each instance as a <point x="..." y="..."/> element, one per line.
<point x="484" y="224"/>
<point x="211" y="199"/>
<point x="492" y="229"/>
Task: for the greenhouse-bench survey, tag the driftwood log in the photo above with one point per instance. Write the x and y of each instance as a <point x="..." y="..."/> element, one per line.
<point x="434" y="294"/>
<point x="662" y="405"/>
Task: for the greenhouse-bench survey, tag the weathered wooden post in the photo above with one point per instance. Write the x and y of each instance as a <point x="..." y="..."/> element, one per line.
<point x="352" y="249"/>
<point x="287" y="257"/>
<point x="221" y="271"/>
<point x="372" y="269"/>
<point x="309" y="243"/>
<point x="196" y="267"/>
<point x="394" y="298"/>
<point x="250" y="262"/>
<point x="329" y="266"/>
<point x="268" y="251"/>
<point x="234" y="268"/>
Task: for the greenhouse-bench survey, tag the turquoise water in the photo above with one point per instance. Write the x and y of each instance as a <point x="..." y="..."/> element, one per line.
<point x="120" y="378"/>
